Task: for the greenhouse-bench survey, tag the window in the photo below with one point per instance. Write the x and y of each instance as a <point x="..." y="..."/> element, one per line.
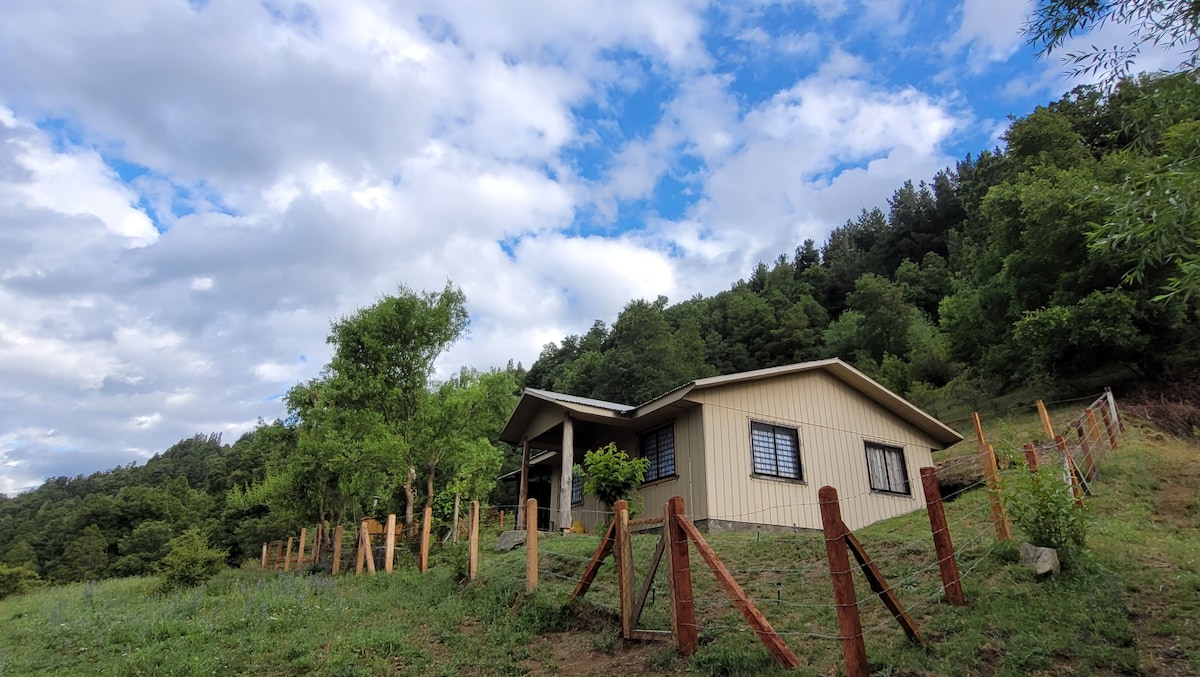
<point x="886" y="468"/>
<point x="576" y="487"/>
<point x="775" y="451"/>
<point x="658" y="447"/>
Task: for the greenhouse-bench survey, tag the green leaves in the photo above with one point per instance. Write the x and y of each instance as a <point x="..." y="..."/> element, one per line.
<point x="1042" y="506"/>
<point x="610" y="475"/>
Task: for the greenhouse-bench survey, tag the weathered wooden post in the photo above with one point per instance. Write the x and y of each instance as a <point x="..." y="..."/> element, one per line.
<point x="287" y="560"/>
<point x="426" y="526"/>
<point x="531" y="545"/>
<point x="999" y="515"/>
<point x="300" y="548"/>
<point x="1045" y="416"/>
<point x="854" y="650"/>
<point x="683" y="606"/>
<point x="1031" y="458"/>
<point x="624" y="555"/>
<point x="1093" y="427"/>
<point x="1109" y="427"/>
<point x="263" y="562"/>
<point x="389" y="543"/>
<point x="473" y="543"/>
<point x="338" y="534"/>
<point x="457" y="500"/>
<point x="951" y="584"/>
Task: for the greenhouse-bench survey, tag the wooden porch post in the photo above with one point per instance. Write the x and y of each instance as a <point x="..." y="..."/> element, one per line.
<point x="524" y="485"/>
<point x="564" y="480"/>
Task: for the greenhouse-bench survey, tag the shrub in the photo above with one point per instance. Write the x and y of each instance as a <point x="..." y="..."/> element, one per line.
<point x="610" y="475"/>
<point x="1042" y="506"/>
<point x="190" y="561"/>
<point x="15" y="580"/>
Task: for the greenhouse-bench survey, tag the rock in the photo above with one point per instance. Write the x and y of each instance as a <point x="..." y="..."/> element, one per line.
<point x="1043" y="561"/>
<point x="509" y="540"/>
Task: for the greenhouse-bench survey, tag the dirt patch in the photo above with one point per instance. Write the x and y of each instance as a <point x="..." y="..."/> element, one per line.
<point x="1173" y="407"/>
<point x="577" y="654"/>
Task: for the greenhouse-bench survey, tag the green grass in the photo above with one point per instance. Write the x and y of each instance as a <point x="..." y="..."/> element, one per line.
<point x="1129" y="606"/>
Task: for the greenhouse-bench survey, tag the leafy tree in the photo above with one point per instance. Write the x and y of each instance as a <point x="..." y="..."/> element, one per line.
<point x="191" y="561"/>
<point x="1174" y="24"/>
<point x="86" y="557"/>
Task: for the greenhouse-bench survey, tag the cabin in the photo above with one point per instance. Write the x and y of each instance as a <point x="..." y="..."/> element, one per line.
<point x="745" y="451"/>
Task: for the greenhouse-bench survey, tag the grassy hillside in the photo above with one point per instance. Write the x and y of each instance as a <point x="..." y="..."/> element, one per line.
<point x="1129" y="607"/>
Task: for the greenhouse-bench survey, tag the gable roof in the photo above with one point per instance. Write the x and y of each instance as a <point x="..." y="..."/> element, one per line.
<point x="835" y="367"/>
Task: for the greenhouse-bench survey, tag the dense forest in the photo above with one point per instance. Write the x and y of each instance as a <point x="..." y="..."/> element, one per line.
<point x="1068" y="254"/>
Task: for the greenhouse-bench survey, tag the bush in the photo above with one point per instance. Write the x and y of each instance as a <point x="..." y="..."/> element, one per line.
<point x="15" y="580"/>
<point x="191" y="561"/>
<point x="1042" y="506"/>
<point x="610" y="475"/>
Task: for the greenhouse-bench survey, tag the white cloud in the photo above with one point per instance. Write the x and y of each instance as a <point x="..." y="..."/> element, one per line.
<point x="990" y="30"/>
<point x="304" y="162"/>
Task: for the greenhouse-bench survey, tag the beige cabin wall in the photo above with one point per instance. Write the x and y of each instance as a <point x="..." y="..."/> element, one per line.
<point x="689" y="469"/>
<point x="833" y="421"/>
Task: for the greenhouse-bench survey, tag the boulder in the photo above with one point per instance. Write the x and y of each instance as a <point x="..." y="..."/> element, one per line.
<point x="1043" y="561"/>
<point x="509" y="540"/>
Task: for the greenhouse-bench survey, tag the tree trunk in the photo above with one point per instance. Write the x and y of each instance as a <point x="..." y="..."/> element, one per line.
<point x="409" y="499"/>
<point x="429" y="485"/>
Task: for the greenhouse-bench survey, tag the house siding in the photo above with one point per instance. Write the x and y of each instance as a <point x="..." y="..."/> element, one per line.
<point x="834" y="421"/>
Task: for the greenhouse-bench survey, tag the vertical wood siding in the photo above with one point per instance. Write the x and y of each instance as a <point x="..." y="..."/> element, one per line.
<point x="833" y="421"/>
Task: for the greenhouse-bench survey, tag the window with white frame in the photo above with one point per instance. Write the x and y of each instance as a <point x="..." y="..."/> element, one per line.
<point x="658" y="447"/>
<point x="775" y="451"/>
<point x="886" y="469"/>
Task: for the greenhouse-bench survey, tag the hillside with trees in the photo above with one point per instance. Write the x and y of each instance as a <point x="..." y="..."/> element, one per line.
<point x="1060" y="257"/>
<point x="1068" y="255"/>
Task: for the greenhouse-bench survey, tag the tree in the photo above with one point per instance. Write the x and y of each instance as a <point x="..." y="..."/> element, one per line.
<point x="1172" y="24"/>
<point x="191" y="561"/>
<point x="86" y="557"/>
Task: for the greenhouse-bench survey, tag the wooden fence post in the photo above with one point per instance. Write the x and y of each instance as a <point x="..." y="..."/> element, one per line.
<point x="992" y="474"/>
<point x="624" y="555"/>
<point x="501" y="520"/>
<point x="1072" y="471"/>
<point x="854" y="650"/>
<point x="389" y="544"/>
<point x="951" y="583"/>
<point x="1031" y="458"/>
<point x="426" y="526"/>
<point x="473" y="543"/>
<point x="1109" y="427"/>
<point x="300" y="548"/>
<point x="1086" y="446"/>
<point x="287" y="560"/>
<point x="683" y="605"/>
<point x="338" y="534"/>
<point x="263" y="563"/>
<point x="1093" y="426"/>
<point x="531" y="545"/>
<point x="316" y="544"/>
<point x="278" y="564"/>
<point x="1045" y="416"/>
<point x="457" y="500"/>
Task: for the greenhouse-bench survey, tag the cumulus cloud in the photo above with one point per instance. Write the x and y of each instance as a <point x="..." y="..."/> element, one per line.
<point x="190" y="192"/>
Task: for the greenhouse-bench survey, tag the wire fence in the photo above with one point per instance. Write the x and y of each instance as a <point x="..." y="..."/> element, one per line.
<point x="787" y="577"/>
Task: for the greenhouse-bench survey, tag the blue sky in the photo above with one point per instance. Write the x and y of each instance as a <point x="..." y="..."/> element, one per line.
<point x="190" y="191"/>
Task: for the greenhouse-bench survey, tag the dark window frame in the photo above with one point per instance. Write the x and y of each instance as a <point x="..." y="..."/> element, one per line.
<point x="887" y="469"/>
<point x="576" y="488"/>
<point x="660" y="456"/>
<point x="769" y="461"/>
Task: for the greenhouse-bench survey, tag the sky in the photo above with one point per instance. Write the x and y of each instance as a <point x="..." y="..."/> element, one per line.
<point x="191" y="190"/>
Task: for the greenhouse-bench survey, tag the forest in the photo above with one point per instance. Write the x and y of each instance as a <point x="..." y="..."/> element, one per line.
<point x="1065" y="258"/>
